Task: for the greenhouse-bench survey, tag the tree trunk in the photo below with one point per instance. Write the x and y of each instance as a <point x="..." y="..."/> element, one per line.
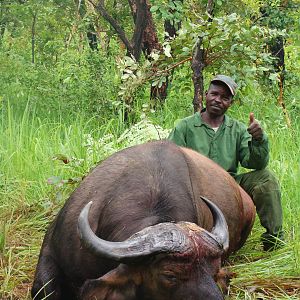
<point x="90" y="33"/>
<point x="92" y="38"/>
<point x="118" y="29"/>
<point x="171" y="29"/>
<point x="97" y="35"/>
<point x="150" y="43"/>
<point x="144" y="37"/>
<point x="282" y="104"/>
<point x="210" y="8"/>
<point x="134" y="46"/>
<point x="277" y="50"/>
<point x="198" y="65"/>
<point x="141" y="23"/>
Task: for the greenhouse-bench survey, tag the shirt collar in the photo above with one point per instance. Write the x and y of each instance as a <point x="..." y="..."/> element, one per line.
<point x="198" y="122"/>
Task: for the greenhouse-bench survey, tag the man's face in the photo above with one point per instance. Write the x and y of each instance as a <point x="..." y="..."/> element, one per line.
<point x="218" y="99"/>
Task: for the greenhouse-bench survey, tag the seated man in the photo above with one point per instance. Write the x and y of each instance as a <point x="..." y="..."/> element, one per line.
<point x="228" y="142"/>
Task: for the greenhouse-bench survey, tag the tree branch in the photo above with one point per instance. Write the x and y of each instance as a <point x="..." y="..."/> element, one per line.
<point x="133" y="9"/>
<point x="121" y="33"/>
<point x="166" y="71"/>
<point x="210" y="8"/>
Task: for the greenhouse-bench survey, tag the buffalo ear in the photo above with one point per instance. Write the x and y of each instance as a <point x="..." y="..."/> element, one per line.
<point x="118" y="284"/>
<point x="223" y="278"/>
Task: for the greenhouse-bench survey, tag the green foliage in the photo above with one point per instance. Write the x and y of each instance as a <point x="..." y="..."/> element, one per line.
<point x="51" y="21"/>
<point x="67" y="76"/>
<point x="234" y="43"/>
<point x="65" y="113"/>
<point x="231" y="46"/>
<point x="277" y="15"/>
<point x="78" y="83"/>
<point x="171" y="10"/>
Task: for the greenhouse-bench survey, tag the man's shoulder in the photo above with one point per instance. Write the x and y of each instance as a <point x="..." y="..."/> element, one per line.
<point x="236" y="124"/>
<point x="192" y="119"/>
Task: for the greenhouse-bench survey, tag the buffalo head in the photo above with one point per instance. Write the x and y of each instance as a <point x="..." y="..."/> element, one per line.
<point x="164" y="261"/>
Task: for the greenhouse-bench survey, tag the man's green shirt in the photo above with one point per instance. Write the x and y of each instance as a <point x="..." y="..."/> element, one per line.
<point x="230" y="145"/>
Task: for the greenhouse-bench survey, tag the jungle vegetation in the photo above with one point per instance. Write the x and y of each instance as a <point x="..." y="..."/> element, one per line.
<point x="82" y="79"/>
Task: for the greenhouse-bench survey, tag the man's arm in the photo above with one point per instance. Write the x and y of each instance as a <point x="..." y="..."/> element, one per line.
<point x="254" y="146"/>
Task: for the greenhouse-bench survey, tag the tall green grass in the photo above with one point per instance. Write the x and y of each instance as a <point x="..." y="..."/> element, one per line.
<point x="35" y="182"/>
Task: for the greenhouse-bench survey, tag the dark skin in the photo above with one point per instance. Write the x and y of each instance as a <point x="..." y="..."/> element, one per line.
<point x="218" y="100"/>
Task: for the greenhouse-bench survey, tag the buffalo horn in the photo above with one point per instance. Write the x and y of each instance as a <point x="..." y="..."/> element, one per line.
<point x="160" y="238"/>
<point x="220" y="230"/>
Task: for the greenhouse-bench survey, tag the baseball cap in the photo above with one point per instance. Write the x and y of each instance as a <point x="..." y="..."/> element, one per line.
<point x="228" y="81"/>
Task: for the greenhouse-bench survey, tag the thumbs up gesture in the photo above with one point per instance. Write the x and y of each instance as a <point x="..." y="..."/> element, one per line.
<point x="254" y="128"/>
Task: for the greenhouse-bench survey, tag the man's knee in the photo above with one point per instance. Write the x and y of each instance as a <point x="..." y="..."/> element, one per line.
<point x="265" y="180"/>
<point x="265" y="174"/>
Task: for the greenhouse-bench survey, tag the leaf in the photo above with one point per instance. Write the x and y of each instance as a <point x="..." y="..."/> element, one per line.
<point x="186" y="50"/>
<point x="233" y="47"/>
<point x="154" y="55"/>
<point x="125" y="76"/>
<point x="74" y="180"/>
<point x="54" y="180"/>
<point x="67" y="80"/>
<point x="167" y="50"/>
<point x="61" y="157"/>
<point x="155" y="83"/>
<point x="263" y="69"/>
<point x="59" y="196"/>
<point x="154" y="8"/>
<point x="128" y="71"/>
<point x="274" y="77"/>
<point x="161" y="81"/>
<point x="172" y="5"/>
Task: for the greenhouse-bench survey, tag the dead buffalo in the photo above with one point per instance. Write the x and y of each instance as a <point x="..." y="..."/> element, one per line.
<point x="129" y="232"/>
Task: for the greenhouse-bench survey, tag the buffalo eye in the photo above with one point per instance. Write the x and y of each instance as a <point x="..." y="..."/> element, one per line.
<point x="168" y="279"/>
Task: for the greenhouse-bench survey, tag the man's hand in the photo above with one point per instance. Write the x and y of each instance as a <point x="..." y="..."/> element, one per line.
<point x="254" y="128"/>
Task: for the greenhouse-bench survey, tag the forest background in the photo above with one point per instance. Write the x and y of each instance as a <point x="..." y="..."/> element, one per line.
<point x="80" y="80"/>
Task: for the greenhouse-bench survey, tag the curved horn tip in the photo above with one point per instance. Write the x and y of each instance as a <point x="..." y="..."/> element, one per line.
<point x="220" y="229"/>
<point x="86" y="208"/>
<point x="89" y="204"/>
<point x="83" y="217"/>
